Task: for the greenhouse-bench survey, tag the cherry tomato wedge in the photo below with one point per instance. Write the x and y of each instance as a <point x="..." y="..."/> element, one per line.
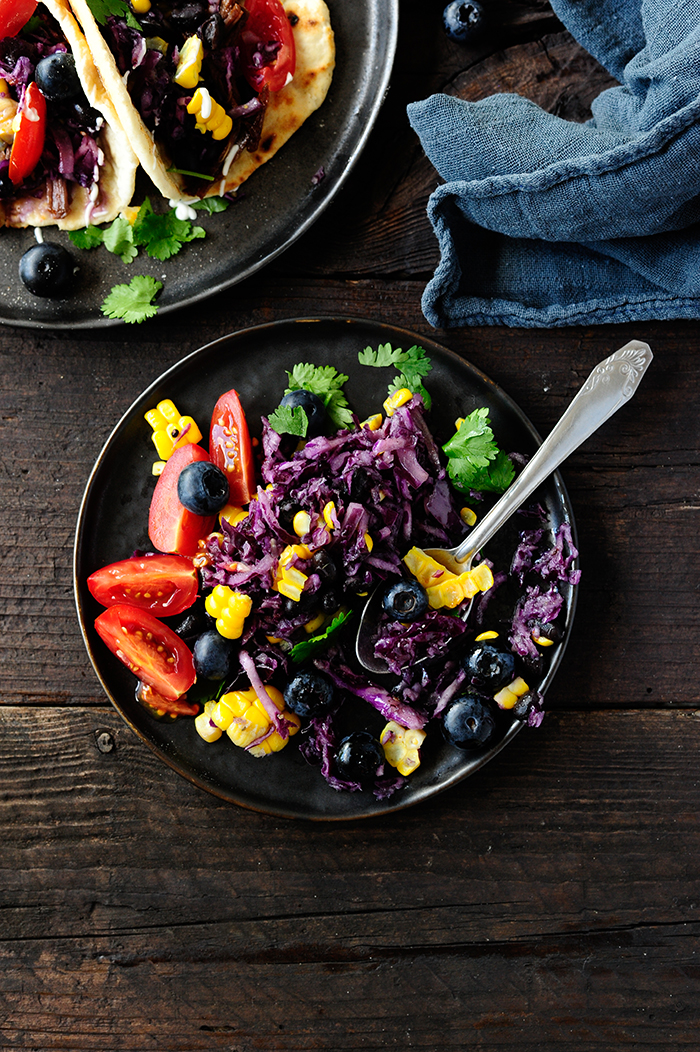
<point x="171" y="527"/>
<point x="29" y="138"/>
<point x="230" y="447"/>
<point x="148" y="648"/>
<point x="14" y="14"/>
<point x="157" y="704"/>
<point x="266" y="27"/>
<point x="163" y="584"/>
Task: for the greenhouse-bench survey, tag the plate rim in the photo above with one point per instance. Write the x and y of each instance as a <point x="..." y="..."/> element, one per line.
<point x="233" y="798"/>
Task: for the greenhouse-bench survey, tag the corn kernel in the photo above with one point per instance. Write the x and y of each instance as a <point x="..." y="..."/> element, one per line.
<point x="482" y="577"/>
<point x="449" y="593"/>
<point x="328" y="513"/>
<point x="425" y="569"/>
<point x="467" y="516"/>
<point x="368" y="542"/>
<point x="232" y="513"/>
<point x="157" y="468"/>
<point x="507" y="697"/>
<point x="189" y="63"/>
<point x="373" y="422"/>
<point x="204" y="726"/>
<point x="542" y="641"/>
<point x="170" y="430"/>
<point x="311" y="626"/>
<point x="398" y="398"/>
<point x="458" y="422"/>
<point x="486" y="635"/>
<point x="230" y="610"/>
<point x="401" y="747"/>
<point x="301" y="523"/>
<point x="140" y="7"/>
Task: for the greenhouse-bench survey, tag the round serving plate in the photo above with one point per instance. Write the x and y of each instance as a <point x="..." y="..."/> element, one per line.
<point x="280" y="201"/>
<point x="114" y="516"/>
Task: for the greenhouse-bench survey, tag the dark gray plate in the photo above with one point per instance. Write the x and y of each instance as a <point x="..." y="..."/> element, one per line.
<point x="276" y="205"/>
<point x="113" y="522"/>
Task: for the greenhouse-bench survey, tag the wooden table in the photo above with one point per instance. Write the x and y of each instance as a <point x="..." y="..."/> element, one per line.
<point x="549" y="902"/>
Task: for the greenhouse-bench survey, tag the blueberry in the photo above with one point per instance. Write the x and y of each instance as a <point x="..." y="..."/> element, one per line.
<point x="470" y="722"/>
<point x="490" y="667"/>
<point x="308" y="694"/>
<point x="313" y="407"/>
<point x="202" y="488"/>
<point x="323" y="565"/>
<point x="47" y="270"/>
<point x="212" y="655"/>
<point x="405" y="601"/>
<point x="358" y="757"/>
<point x="57" y="77"/>
<point x="463" y="21"/>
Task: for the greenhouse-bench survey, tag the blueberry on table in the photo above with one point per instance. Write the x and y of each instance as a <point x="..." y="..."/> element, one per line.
<point x="57" y="77"/>
<point x="463" y="21"/>
<point x="308" y="694"/>
<point x="47" y="270"/>
<point x="212" y="655"/>
<point x="470" y="723"/>
<point x="489" y="667"/>
<point x="405" y="601"/>
<point x="202" y="488"/>
<point x="313" y="407"/>
<point x="358" y="757"/>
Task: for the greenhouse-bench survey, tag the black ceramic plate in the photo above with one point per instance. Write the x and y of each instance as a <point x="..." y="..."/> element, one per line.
<point x="113" y="522"/>
<point x="277" y="204"/>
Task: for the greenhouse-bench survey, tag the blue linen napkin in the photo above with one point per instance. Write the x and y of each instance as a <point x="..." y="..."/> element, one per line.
<point x="544" y="222"/>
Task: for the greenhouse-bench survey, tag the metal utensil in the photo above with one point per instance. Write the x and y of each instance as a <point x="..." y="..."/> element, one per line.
<point x="609" y="386"/>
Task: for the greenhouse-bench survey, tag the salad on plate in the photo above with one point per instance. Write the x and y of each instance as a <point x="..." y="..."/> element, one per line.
<point x="242" y="617"/>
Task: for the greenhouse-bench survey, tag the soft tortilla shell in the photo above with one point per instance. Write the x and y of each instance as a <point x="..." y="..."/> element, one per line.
<point x="286" y="111"/>
<point x="118" y="173"/>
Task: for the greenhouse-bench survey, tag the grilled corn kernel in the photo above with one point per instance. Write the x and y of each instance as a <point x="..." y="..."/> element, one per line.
<point x="288" y="580"/>
<point x="189" y="64"/>
<point x="425" y="569"/>
<point x="301" y="523"/>
<point x="507" y="697"/>
<point x="542" y="641"/>
<point x="170" y="430"/>
<point x="250" y="722"/>
<point x="398" y="398"/>
<point x="317" y="621"/>
<point x="373" y="422"/>
<point x="467" y="516"/>
<point x="401" y="747"/>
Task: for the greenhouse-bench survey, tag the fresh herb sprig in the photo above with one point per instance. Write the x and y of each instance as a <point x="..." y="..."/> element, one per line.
<point x="133" y="302"/>
<point x="413" y="363"/>
<point x="474" y="460"/>
<point x="102" y="9"/>
<point x="327" y="384"/>
<point x="161" y="234"/>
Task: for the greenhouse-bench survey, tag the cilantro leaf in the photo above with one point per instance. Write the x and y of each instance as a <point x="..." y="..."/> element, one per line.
<point x="289" y="421"/>
<point x="211" y="204"/>
<point x="118" y="238"/>
<point x="474" y="460"/>
<point x="102" y="9"/>
<point x="301" y="651"/>
<point x="89" y="237"/>
<point x="413" y="363"/>
<point x="133" y="302"/>
<point x="163" y="234"/>
<point x="327" y="383"/>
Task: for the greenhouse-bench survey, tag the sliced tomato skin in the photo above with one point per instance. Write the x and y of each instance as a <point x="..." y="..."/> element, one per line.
<point x="148" y="648"/>
<point x="29" y="138"/>
<point x="171" y="527"/>
<point x="14" y="15"/>
<point x="267" y="21"/>
<point x="163" y="584"/>
<point x="230" y="447"/>
<point x="156" y="704"/>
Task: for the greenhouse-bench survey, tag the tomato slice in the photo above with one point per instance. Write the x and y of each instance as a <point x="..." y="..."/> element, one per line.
<point x="29" y="138"/>
<point x="156" y="704"/>
<point x="230" y="447"/>
<point x="148" y="648"/>
<point x="171" y="527"/>
<point x="14" y="14"/>
<point x="267" y="26"/>
<point x="163" y="584"/>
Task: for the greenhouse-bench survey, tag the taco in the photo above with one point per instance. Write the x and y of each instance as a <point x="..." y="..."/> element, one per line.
<point x="65" y="161"/>
<point x="208" y="90"/>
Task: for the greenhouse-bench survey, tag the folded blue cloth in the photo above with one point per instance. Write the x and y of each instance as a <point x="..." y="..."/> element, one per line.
<point x="544" y="222"/>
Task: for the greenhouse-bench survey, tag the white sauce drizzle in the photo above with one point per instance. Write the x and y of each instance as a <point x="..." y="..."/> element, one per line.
<point x="39" y="235"/>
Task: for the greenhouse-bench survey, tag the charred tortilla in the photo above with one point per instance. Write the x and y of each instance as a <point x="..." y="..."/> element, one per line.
<point x="284" y="111"/>
<point x="52" y="199"/>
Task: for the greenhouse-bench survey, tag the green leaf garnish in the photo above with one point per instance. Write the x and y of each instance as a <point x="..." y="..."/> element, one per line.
<point x="301" y="651"/>
<point x="474" y="460"/>
<point x="288" y="420"/>
<point x="163" y="234"/>
<point x="211" y="204"/>
<point x="102" y="9"/>
<point x="193" y="175"/>
<point x="133" y="302"/>
<point x="327" y="383"/>
<point x="89" y="237"/>
<point x="118" y="238"/>
<point x="413" y="363"/>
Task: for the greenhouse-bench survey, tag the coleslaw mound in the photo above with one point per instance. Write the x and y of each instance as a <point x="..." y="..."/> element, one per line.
<point x="341" y="512"/>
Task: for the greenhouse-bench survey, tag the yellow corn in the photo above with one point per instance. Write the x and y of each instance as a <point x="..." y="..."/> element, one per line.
<point x="373" y="422"/>
<point x="328" y="512"/>
<point x="210" y="116"/>
<point x="425" y="569"/>
<point x="140" y="7"/>
<point x="250" y="721"/>
<point x="401" y="747"/>
<point x="507" y="697"/>
<point x="467" y="516"/>
<point x="369" y="542"/>
<point x="230" y="610"/>
<point x="232" y="513"/>
<point x="542" y="641"/>
<point x="8" y="112"/>
<point x="486" y="635"/>
<point x="301" y="523"/>
<point x="170" y="430"/>
<point x="311" y="626"/>
<point x="203" y="725"/>
<point x="189" y="64"/>
<point x="288" y="580"/>
<point x="449" y="593"/>
<point x="397" y="399"/>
